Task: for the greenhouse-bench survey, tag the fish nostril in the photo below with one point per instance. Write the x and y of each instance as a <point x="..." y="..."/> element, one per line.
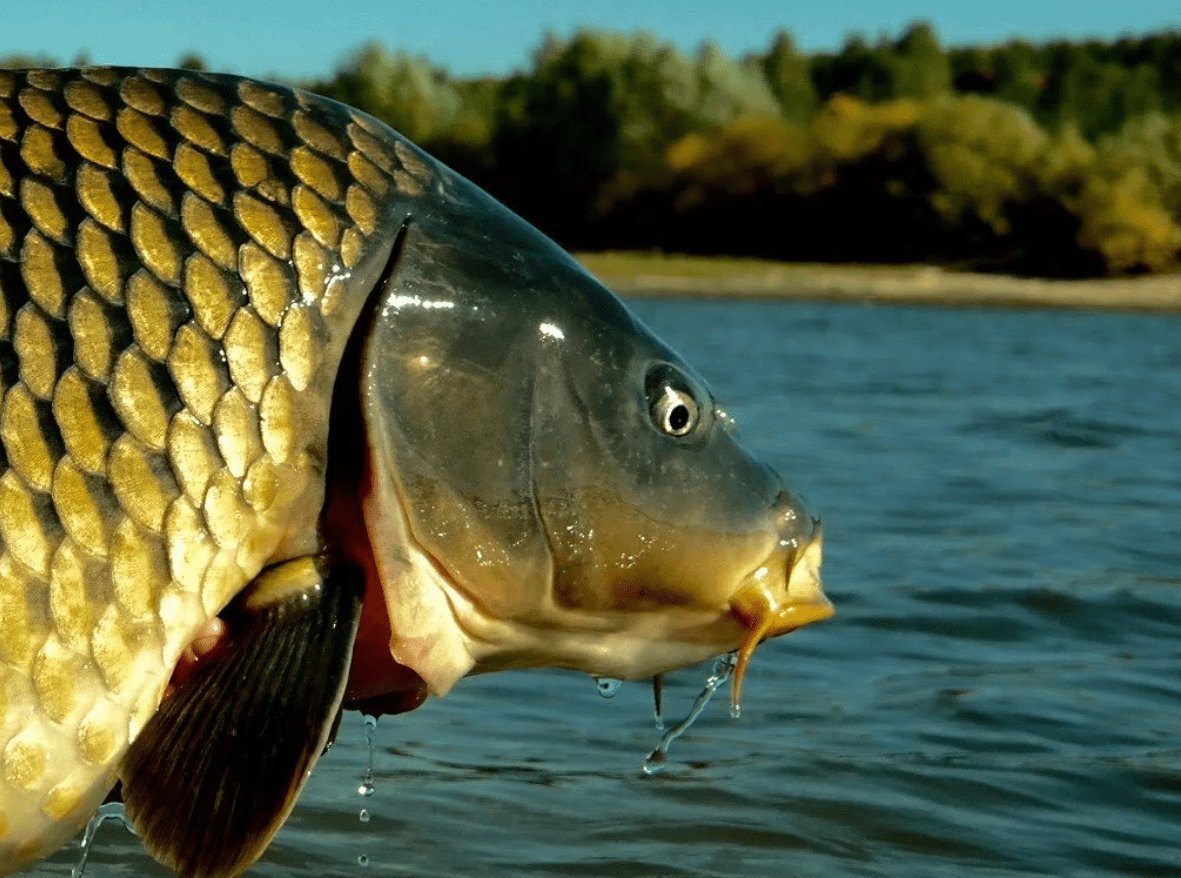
<point x="792" y="520"/>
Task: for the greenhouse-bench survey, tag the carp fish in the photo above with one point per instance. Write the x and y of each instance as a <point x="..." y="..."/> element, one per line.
<point x="263" y="359"/>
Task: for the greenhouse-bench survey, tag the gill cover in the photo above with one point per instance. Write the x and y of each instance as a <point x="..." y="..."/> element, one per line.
<point x="548" y="483"/>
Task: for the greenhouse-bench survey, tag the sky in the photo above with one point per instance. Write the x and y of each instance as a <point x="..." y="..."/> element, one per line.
<point x="306" y="38"/>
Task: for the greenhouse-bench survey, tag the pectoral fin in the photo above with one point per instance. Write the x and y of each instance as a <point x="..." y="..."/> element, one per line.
<point x="216" y="771"/>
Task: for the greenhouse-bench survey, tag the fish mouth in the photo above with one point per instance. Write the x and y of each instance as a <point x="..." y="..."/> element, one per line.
<point x="768" y="609"/>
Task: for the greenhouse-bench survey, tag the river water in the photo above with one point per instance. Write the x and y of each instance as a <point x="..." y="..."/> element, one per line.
<point x="999" y="693"/>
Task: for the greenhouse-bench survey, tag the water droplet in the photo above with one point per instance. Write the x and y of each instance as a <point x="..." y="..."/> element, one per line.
<point x="655" y="761"/>
<point x="111" y="811"/>
<point x="608" y="686"/>
<point x="735" y="711"/>
<point x="365" y="790"/>
<point x="658" y="701"/>
<point x="366" y="787"/>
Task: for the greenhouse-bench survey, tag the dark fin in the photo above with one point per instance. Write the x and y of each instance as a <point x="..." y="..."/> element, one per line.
<point x="215" y="772"/>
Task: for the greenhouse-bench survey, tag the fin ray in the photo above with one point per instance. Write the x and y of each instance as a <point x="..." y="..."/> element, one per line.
<point x="213" y="775"/>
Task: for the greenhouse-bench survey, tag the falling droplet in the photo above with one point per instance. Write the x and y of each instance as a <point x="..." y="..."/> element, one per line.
<point x="656" y="761"/>
<point x="658" y="701"/>
<point x="608" y="686"/>
<point x="366" y="787"/>
<point x="735" y="711"/>
<point x="365" y="790"/>
<point x="111" y="811"/>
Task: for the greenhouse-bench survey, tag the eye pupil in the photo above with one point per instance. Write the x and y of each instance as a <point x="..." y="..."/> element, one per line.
<point x="678" y="418"/>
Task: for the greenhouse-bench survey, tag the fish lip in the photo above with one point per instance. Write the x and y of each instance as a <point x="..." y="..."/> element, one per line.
<point x="779" y="606"/>
<point x="769" y="607"/>
<point x="807" y="602"/>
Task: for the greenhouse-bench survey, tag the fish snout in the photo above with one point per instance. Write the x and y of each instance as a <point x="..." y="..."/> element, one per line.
<point x="785" y="592"/>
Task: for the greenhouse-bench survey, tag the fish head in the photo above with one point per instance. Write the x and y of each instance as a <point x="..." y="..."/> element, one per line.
<point x="551" y="485"/>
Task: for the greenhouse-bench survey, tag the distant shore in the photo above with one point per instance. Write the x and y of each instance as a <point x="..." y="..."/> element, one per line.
<point x="645" y="274"/>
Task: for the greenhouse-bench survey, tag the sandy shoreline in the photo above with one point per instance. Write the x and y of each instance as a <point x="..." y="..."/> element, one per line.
<point x="648" y="275"/>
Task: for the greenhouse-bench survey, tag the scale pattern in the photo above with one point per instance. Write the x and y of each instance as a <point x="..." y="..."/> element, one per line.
<point x="175" y="255"/>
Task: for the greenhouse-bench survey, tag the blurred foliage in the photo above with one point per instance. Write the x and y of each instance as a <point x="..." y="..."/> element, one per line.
<point x="789" y="76"/>
<point x="406" y="91"/>
<point x="13" y="62"/>
<point x="1059" y="159"/>
<point x="1130" y="205"/>
<point x="915" y="66"/>
<point x="593" y="119"/>
<point x="191" y="61"/>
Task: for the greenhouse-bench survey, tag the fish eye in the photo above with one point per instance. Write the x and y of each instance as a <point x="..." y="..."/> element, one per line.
<point x="675" y="412"/>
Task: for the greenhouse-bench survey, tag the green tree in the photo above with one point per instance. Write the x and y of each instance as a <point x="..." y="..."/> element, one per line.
<point x="973" y="70"/>
<point x="402" y="90"/>
<point x="789" y="76"/>
<point x="727" y="90"/>
<point x="1129" y="201"/>
<point x="466" y="144"/>
<point x="1004" y="187"/>
<point x="858" y="70"/>
<point x="588" y="127"/>
<point x="1020" y="76"/>
<point x="985" y="155"/>
<point x="913" y="66"/>
<point x="1124" y="221"/>
<point x="1095" y="94"/>
<point x="558" y="137"/>
<point x="1151" y="143"/>
<point x="751" y="155"/>
<point x="919" y="67"/>
<point x="1063" y="158"/>
<point x="848" y="130"/>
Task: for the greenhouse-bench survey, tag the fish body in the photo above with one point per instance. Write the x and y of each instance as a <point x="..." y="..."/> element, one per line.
<point x="223" y="303"/>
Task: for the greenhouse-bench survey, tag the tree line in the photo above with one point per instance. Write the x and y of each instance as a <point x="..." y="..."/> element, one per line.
<point x="1058" y="159"/>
